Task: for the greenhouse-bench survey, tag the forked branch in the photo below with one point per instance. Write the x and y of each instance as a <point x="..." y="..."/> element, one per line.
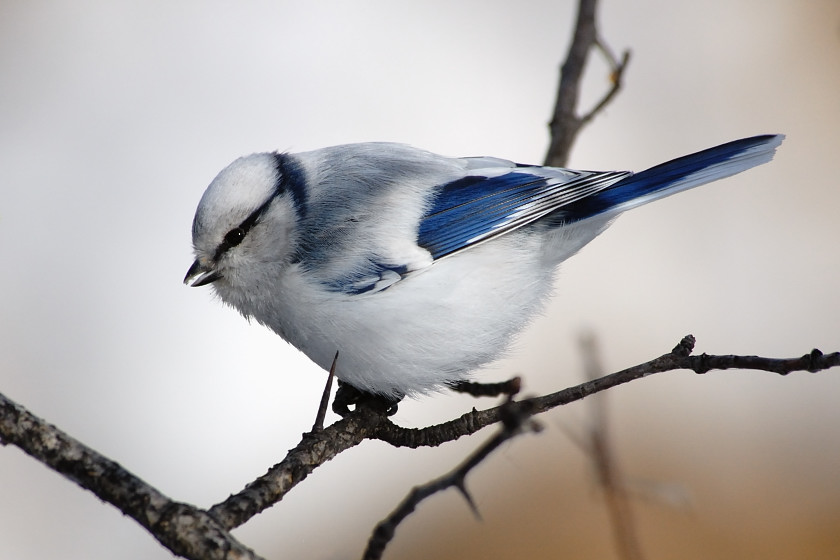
<point x="198" y="534"/>
<point x="565" y="123"/>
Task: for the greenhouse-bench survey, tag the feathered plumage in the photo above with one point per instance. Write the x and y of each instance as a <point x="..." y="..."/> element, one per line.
<point x="418" y="268"/>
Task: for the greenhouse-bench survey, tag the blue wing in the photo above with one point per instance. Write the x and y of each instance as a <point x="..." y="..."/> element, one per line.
<point x="477" y="207"/>
<point x="481" y="206"/>
<point x="495" y="197"/>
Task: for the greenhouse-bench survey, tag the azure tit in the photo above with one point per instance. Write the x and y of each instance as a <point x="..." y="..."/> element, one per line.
<point x="417" y="268"/>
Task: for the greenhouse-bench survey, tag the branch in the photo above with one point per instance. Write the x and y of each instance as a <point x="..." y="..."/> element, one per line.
<point x="184" y="529"/>
<point x="679" y="358"/>
<point x="196" y="534"/>
<point x="565" y="124"/>
<point x="315" y="449"/>
<point x="515" y="417"/>
<point x="325" y="398"/>
<point x="599" y="448"/>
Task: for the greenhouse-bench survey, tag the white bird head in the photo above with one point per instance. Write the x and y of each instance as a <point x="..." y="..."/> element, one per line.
<point x="244" y="224"/>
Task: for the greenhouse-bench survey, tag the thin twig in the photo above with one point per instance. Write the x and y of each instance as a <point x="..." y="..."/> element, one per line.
<point x="325" y="398"/>
<point x="608" y="472"/>
<point x="510" y="387"/>
<point x="565" y="124"/>
<point x="192" y="533"/>
<point x="516" y="416"/>
<point x="315" y="449"/>
<point x="679" y="358"/>
<point x="616" y="78"/>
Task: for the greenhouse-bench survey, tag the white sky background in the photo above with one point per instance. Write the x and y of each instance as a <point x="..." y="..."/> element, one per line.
<point x="114" y="116"/>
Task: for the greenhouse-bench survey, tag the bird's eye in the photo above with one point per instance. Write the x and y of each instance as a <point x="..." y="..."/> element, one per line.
<point x="234" y="237"/>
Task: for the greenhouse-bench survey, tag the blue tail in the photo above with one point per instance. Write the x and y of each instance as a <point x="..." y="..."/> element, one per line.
<point x="678" y="175"/>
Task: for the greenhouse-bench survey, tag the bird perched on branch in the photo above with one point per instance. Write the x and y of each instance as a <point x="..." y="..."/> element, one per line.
<point x="417" y="268"/>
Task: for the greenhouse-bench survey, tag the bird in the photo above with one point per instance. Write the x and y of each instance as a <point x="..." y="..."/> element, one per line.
<point x="416" y="268"/>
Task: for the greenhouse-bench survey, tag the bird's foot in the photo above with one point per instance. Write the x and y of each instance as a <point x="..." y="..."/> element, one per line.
<point x="347" y="396"/>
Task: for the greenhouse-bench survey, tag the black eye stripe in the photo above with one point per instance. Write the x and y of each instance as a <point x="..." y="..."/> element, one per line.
<point x="235" y="236"/>
<point x="289" y="180"/>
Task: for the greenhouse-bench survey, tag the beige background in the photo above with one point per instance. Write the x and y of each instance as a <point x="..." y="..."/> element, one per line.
<point x="114" y="116"/>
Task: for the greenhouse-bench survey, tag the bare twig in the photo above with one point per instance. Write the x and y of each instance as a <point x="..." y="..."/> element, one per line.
<point x="193" y="533"/>
<point x="616" y="78"/>
<point x="679" y="358"/>
<point x="315" y="449"/>
<point x="516" y="416"/>
<point x="184" y="529"/>
<point x="565" y="122"/>
<point x="325" y="398"/>
<point x="510" y="387"/>
<point x="608" y="472"/>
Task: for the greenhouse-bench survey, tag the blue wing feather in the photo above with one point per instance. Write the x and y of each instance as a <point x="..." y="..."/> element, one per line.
<point x="477" y="208"/>
<point x="496" y="197"/>
<point x="675" y="176"/>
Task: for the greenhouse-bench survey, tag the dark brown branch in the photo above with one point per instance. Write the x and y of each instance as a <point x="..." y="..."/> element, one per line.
<point x="192" y="533"/>
<point x="565" y="123"/>
<point x="325" y="398"/>
<point x="564" y="127"/>
<point x="510" y="387"/>
<point x="515" y="418"/>
<point x="600" y="450"/>
<point x="184" y="529"/>
<point x="679" y="358"/>
<point x="616" y="78"/>
<point x="315" y="449"/>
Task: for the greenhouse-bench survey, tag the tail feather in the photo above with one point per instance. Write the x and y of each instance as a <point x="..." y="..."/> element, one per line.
<point x="681" y="174"/>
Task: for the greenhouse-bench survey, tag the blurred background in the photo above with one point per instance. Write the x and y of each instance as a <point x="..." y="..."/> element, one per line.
<point x="114" y="116"/>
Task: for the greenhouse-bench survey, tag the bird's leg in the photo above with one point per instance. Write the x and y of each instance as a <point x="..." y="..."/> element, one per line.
<point x="347" y="396"/>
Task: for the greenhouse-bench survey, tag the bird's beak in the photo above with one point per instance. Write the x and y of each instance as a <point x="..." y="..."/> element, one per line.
<point x="206" y="275"/>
